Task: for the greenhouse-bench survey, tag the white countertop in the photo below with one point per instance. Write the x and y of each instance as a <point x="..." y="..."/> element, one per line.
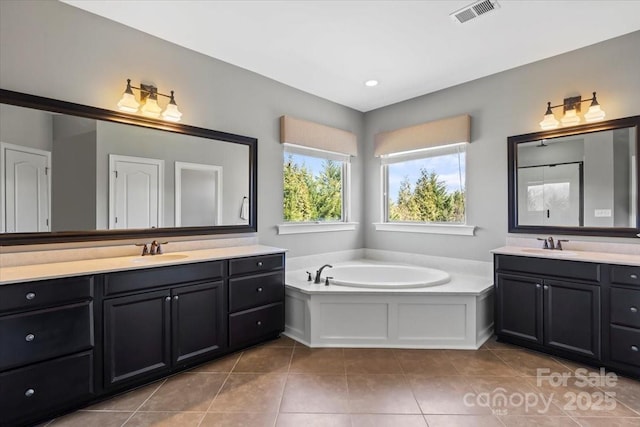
<point x="104" y="265"/>
<point x="571" y="255"/>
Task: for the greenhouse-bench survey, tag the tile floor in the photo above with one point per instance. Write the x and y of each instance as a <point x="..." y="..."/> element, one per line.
<point x="282" y="383"/>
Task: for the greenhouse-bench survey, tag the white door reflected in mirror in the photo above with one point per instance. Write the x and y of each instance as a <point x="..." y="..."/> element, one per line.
<point x="198" y="193"/>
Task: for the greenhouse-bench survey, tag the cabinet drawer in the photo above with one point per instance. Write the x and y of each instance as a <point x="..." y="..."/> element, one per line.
<point x="625" y="307"/>
<point x="255" y="264"/>
<point x="625" y="275"/>
<point x="29" y="295"/>
<point x="44" y="334"/>
<point x="44" y="386"/>
<point x="135" y="280"/>
<point x="625" y="345"/>
<point x="549" y="267"/>
<point x="252" y="291"/>
<point x="248" y="326"/>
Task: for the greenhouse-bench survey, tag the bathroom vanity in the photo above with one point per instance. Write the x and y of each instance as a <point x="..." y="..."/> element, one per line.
<point x="583" y="306"/>
<point x="119" y="323"/>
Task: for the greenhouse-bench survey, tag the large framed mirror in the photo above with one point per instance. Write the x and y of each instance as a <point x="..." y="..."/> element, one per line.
<point x="71" y="172"/>
<point x="581" y="180"/>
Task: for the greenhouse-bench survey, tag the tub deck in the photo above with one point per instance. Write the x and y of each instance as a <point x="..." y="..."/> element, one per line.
<point x="455" y="315"/>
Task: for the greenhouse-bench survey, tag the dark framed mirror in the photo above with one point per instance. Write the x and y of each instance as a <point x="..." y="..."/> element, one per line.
<point x="581" y="180"/>
<point x="71" y="172"/>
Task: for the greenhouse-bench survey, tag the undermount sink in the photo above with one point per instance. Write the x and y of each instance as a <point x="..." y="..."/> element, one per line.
<point x="552" y="252"/>
<point x="148" y="259"/>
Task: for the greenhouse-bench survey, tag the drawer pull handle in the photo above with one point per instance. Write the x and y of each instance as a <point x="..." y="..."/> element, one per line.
<point x="259" y="289"/>
<point x="633" y="276"/>
<point x="633" y="309"/>
<point x="30" y="392"/>
<point x="259" y="323"/>
<point x="31" y="296"/>
<point x="259" y="263"/>
<point x="634" y="348"/>
<point x="30" y="337"/>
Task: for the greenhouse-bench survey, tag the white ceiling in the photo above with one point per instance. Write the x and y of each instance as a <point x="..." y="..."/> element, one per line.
<point x="330" y="48"/>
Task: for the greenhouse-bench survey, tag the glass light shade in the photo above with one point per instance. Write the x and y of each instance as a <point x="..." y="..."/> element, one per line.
<point x="594" y="114"/>
<point x="151" y="108"/>
<point x="570" y="118"/>
<point x="171" y="113"/>
<point x="128" y="103"/>
<point x="549" y="122"/>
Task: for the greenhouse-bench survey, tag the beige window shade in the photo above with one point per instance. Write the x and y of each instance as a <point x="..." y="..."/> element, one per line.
<point x="452" y="130"/>
<point x="314" y="135"/>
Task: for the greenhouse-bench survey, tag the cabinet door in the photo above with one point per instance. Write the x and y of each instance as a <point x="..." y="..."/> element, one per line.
<point x="199" y="321"/>
<point x="137" y="336"/>
<point x="519" y="307"/>
<point x="572" y="317"/>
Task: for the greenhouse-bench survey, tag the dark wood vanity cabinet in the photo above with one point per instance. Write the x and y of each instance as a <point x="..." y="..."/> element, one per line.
<point x="46" y="340"/>
<point x="579" y="310"/>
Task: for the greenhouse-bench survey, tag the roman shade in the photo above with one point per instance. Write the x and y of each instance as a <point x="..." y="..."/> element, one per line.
<point x="314" y="135"/>
<point x="452" y="130"/>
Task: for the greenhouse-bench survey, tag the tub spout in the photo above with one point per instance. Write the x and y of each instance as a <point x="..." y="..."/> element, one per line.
<point x="319" y="272"/>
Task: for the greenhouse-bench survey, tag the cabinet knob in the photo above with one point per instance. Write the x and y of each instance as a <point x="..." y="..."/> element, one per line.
<point x="633" y="309"/>
<point x="538" y="285"/>
<point x="167" y="299"/>
<point x="29" y="337"/>
<point x="259" y="264"/>
<point x="259" y="289"/>
<point x="30" y="296"/>
<point x="546" y="287"/>
<point x="633" y="276"/>
<point x="30" y="392"/>
<point x="634" y="348"/>
<point x="259" y="323"/>
<point x="176" y="298"/>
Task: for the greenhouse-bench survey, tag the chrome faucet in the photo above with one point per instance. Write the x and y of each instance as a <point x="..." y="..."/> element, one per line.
<point x="319" y="272"/>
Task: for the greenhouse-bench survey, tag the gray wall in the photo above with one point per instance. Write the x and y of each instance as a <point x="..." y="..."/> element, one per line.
<point x="24" y="126"/>
<point x="504" y="104"/>
<point x="55" y="50"/>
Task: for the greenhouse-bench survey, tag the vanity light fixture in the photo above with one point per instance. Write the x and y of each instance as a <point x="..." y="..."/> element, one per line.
<point x="149" y="99"/>
<point x="571" y="107"/>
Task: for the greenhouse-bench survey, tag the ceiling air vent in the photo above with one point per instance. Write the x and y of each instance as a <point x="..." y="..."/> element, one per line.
<point x="474" y="10"/>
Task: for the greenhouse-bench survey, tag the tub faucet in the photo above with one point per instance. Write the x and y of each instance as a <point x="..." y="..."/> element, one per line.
<point x="319" y="272"/>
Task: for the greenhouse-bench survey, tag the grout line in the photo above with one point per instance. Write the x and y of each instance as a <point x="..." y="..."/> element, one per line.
<point x="145" y="401"/>
<point x="221" y="387"/>
<point x="275" y="421"/>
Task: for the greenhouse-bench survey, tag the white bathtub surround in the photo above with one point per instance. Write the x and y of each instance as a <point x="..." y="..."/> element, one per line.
<point x="382" y="276"/>
<point x="12" y="256"/>
<point x="455" y="315"/>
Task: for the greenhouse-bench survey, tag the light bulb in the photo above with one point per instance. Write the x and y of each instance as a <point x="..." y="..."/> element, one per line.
<point x="171" y="113"/>
<point x="549" y="122"/>
<point x="594" y="114"/>
<point x="570" y="118"/>
<point x="128" y="101"/>
<point x="151" y="107"/>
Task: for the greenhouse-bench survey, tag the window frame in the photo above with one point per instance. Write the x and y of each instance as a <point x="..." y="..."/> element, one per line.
<point x="345" y="190"/>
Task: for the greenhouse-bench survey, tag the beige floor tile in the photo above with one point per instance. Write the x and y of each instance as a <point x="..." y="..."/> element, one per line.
<point x="528" y="363"/>
<point x="317" y="361"/>
<point x="462" y="421"/>
<point x="513" y="396"/>
<point x="425" y="362"/>
<point x="313" y="420"/>
<point x="371" y="361"/>
<point x="165" y="419"/>
<point x="445" y="395"/>
<point x="92" y="419"/>
<point x="387" y="420"/>
<point x="264" y="360"/>
<point x="480" y="362"/>
<point x="493" y="344"/>
<point x="129" y="401"/>
<point x="608" y="422"/>
<point x="239" y="419"/>
<point x="250" y="393"/>
<point x="381" y="394"/>
<point x="224" y="364"/>
<point x="626" y="391"/>
<point x="282" y="341"/>
<point x="315" y="394"/>
<point x="537" y="421"/>
<point x="185" y="392"/>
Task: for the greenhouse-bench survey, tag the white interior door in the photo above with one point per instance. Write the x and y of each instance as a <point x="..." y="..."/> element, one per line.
<point x="136" y="187"/>
<point x="25" y="182"/>
<point x="198" y="194"/>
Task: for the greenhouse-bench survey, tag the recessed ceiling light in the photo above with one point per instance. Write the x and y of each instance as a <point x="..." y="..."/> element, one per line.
<point x="371" y="83"/>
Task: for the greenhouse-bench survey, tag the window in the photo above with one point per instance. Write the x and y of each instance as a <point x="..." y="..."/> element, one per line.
<point x="425" y="186"/>
<point x="315" y="185"/>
